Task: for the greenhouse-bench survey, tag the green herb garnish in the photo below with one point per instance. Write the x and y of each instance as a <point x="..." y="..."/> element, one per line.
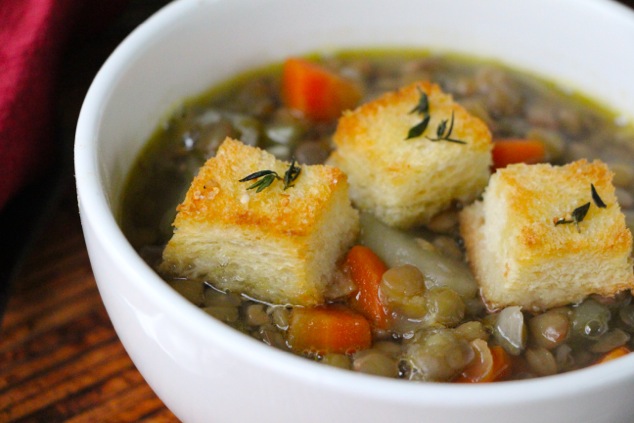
<point x="291" y="174"/>
<point x="418" y="129"/>
<point x="422" y="108"/>
<point x="580" y="212"/>
<point x="444" y="134"/>
<point x="575" y="217"/>
<point x="266" y="177"/>
<point x="595" y="197"/>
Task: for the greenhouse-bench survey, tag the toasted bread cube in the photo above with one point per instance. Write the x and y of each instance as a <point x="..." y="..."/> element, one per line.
<point x="405" y="182"/>
<point x="529" y="243"/>
<point x="277" y="245"/>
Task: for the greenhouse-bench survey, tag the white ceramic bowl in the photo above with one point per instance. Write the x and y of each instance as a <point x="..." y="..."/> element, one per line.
<point x="206" y="371"/>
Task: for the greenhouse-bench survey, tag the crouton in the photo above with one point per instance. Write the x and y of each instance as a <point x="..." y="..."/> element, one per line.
<point x="539" y="238"/>
<point x="406" y="178"/>
<point x="277" y="245"/>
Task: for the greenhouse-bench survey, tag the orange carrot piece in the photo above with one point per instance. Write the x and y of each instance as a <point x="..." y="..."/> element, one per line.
<point x="317" y="92"/>
<point x="490" y="364"/>
<point x="502" y="363"/>
<point x="615" y="353"/>
<point x="328" y="329"/>
<point x="511" y="150"/>
<point x="366" y="270"/>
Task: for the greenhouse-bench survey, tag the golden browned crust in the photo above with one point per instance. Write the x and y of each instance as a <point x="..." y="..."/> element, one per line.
<point x="403" y="181"/>
<point x="276" y="245"/>
<point x="537" y="195"/>
<point x="391" y="115"/>
<point x="521" y="257"/>
<point x="217" y="196"/>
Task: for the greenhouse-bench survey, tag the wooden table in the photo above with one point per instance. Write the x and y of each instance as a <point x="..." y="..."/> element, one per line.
<point x="60" y="359"/>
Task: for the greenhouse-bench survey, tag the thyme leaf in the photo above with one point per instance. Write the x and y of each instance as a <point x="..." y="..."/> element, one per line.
<point x="444" y="134"/>
<point x="264" y="178"/>
<point x="580" y="212"/>
<point x="258" y="174"/>
<point x="291" y="174"/>
<point x="418" y="129"/>
<point x="264" y="182"/>
<point x="595" y="197"/>
<point x="576" y="216"/>
<point x="422" y="108"/>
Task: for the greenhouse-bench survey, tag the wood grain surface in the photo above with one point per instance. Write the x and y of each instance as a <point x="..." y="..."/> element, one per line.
<point x="60" y="358"/>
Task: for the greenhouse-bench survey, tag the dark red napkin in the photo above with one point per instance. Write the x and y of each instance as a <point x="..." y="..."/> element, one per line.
<point x="33" y="36"/>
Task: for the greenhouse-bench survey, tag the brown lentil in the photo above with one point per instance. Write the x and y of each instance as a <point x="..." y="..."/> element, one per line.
<point x="435" y="311"/>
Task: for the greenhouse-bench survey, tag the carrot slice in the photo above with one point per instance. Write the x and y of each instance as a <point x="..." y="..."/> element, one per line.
<point x="510" y="150"/>
<point x="502" y="363"/>
<point x="488" y="365"/>
<point x="615" y="353"/>
<point x="317" y="92"/>
<point x="366" y="270"/>
<point x="328" y="330"/>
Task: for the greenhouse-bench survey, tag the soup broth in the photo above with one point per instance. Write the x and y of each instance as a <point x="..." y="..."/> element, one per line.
<point x="513" y="104"/>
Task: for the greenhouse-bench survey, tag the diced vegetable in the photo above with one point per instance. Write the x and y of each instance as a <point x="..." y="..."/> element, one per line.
<point x="615" y="353"/>
<point x="397" y="248"/>
<point x="509" y="151"/>
<point x="488" y="365"/>
<point x="510" y="330"/>
<point x="325" y="330"/>
<point x="317" y="92"/>
<point x="366" y="270"/>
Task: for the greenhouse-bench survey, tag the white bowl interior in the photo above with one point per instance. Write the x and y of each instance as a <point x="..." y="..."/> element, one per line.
<point x="192" y="44"/>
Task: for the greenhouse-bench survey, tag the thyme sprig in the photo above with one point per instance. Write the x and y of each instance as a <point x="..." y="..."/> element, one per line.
<point x="267" y="178"/>
<point x="291" y="174"/>
<point x="575" y="217"/>
<point x="264" y="178"/>
<point x="580" y="212"/>
<point x="442" y="132"/>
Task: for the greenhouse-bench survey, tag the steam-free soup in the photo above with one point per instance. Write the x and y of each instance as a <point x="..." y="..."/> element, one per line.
<point x="457" y="339"/>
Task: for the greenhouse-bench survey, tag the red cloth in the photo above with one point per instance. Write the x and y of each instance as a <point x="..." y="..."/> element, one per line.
<point x="33" y="34"/>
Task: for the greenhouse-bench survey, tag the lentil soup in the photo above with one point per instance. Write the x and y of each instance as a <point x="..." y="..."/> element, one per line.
<point x="452" y="330"/>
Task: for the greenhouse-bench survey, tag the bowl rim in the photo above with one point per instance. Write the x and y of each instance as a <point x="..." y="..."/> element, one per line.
<point x="96" y="212"/>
